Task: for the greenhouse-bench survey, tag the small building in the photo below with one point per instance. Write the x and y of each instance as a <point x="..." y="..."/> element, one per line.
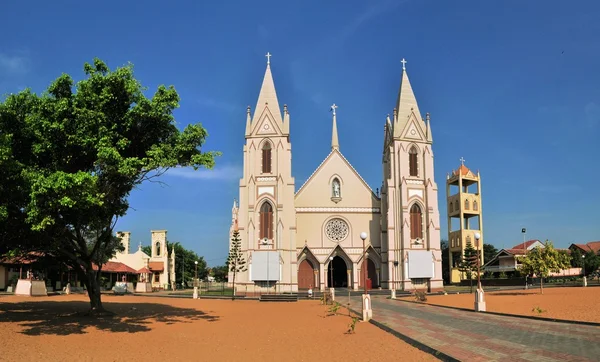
<point x="593" y="246"/>
<point x="506" y="259"/>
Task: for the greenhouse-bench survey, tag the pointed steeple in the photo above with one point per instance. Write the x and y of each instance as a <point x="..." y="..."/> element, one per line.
<point x="335" y="145"/>
<point x="406" y="103"/>
<point x="267" y="97"/>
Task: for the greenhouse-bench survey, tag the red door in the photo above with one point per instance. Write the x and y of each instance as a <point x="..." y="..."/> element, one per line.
<point x="306" y="276"/>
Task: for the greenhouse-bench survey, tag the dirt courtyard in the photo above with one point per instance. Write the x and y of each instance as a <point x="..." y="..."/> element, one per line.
<point x="573" y="303"/>
<point x="154" y="328"/>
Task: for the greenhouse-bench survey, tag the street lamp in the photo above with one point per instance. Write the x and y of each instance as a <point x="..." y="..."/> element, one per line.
<point x="367" y="311"/>
<point x="196" y="281"/>
<point x="331" y="271"/>
<point x="479" y="295"/>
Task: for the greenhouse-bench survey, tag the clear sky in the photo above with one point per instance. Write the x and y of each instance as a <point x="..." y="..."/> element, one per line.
<point x="512" y="86"/>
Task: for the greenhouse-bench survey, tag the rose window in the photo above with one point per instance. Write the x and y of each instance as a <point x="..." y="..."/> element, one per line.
<point x="336" y="230"/>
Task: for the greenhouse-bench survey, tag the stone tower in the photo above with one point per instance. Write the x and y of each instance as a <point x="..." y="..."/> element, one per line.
<point x="463" y="190"/>
<point x="410" y="216"/>
<point x="266" y="216"/>
<point x="125" y="240"/>
<point x="159" y="243"/>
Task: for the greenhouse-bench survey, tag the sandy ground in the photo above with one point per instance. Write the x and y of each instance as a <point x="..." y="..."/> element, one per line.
<point x="573" y="303"/>
<point x="150" y="329"/>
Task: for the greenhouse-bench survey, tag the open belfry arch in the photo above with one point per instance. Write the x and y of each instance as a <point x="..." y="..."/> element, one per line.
<point x="330" y="210"/>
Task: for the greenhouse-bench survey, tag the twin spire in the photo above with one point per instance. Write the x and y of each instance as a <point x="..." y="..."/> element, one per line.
<point x="406" y="105"/>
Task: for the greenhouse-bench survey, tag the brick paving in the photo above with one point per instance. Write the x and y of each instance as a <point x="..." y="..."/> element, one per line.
<point x="469" y="336"/>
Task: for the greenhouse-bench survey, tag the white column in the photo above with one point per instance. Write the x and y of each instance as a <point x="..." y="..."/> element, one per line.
<point x="322" y="275"/>
<point x="355" y="274"/>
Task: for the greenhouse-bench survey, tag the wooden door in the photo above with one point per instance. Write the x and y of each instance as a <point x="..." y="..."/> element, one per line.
<point x="306" y="275"/>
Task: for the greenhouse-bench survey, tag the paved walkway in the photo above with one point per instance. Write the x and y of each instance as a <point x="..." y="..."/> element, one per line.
<point x="469" y="336"/>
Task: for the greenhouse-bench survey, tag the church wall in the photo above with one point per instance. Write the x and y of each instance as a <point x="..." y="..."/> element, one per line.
<point x="311" y="228"/>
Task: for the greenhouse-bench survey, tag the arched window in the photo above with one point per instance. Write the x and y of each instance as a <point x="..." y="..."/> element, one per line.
<point x="157" y="249"/>
<point x="456" y="204"/>
<point x="266" y="221"/>
<point x="467" y="205"/>
<point x="336" y="190"/>
<point x="475" y="206"/>
<point x="450" y="207"/>
<point x="413" y="165"/>
<point x="266" y="158"/>
<point x="416" y="222"/>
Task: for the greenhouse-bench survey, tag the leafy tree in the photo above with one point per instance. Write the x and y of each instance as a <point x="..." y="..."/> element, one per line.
<point x="541" y="261"/>
<point x="489" y="251"/>
<point x="220" y="273"/>
<point x="236" y="260"/>
<point x="576" y="258"/>
<point x="468" y="263"/>
<point x="591" y="263"/>
<point x="70" y="157"/>
<point x="445" y="261"/>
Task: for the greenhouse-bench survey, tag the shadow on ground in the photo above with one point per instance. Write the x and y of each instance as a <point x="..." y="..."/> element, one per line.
<point x="66" y="317"/>
<point x="511" y="293"/>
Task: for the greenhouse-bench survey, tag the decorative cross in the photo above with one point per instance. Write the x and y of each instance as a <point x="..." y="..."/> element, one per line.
<point x="333" y="107"/>
<point x="462" y="161"/>
<point x="403" y="61"/>
<point x="268" y="55"/>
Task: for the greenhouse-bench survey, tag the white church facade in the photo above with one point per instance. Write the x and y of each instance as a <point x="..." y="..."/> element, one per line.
<point x="310" y="238"/>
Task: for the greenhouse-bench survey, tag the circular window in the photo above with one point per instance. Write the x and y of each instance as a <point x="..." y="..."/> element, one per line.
<point x="336" y="230"/>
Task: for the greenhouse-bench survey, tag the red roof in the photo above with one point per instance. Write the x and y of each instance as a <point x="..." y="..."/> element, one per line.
<point x="143" y="270"/>
<point x="29" y="258"/>
<point x="591" y="246"/>
<point x="115" y="267"/>
<point x="157" y="266"/>
<point x="524" y="245"/>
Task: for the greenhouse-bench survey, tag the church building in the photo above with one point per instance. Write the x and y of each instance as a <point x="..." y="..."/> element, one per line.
<point x="311" y="237"/>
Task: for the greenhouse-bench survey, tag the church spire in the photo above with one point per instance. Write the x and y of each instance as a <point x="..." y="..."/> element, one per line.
<point x="267" y="97"/>
<point x="406" y="103"/>
<point x="335" y="145"/>
<point x="248" y="121"/>
<point x="429" y="136"/>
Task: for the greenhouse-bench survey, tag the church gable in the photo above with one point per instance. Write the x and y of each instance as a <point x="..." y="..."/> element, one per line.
<point x="335" y="183"/>
<point x="266" y="126"/>
<point x="414" y="130"/>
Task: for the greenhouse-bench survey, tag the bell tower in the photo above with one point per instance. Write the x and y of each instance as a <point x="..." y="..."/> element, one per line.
<point x="463" y="190"/>
<point x="266" y="217"/>
<point x="410" y="215"/>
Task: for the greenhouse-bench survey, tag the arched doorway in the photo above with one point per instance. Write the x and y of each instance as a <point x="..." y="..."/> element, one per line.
<point x="371" y="270"/>
<point x="337" y="273"/>
<point x="306" y="275"/>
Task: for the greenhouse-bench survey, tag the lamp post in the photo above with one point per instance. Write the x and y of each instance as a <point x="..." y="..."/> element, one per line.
<point x="196" y="281"/>
<point x="395" y="264"/>
<point x="331" y="288"/>
<point x="583" y="270"/>
<point x="366" y="298"/>
<point x="479" y="295"/>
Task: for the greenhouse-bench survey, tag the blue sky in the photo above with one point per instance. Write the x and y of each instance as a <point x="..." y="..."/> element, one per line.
<point x="512" y="86"/>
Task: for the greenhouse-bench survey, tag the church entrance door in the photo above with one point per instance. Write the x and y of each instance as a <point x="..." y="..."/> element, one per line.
<point x="338" y="273"/>
<point x="306" y="275"/>
<point x="372" y="280"/>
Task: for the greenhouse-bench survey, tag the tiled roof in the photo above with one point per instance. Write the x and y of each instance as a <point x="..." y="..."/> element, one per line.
<point x="29" y="258"/>
<point x="157" y="266"/>
<point x="591" y="246"/>
<point x="115" y="267"/>
<point x="144" y="270"/>
<point x="524" y="245"/>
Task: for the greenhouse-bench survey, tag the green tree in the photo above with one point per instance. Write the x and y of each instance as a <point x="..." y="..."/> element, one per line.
<point x="541" y="261"/>
<point x="591" y="263"/>
<point x="235" y="260"/>
<point x="489" y="251"/>
<point x="445" y="260"/>
<point x="468" y="263"/>
<point x="70" y="157"/>
<point x="576" y="258"/>
<point x="220" y="273"/>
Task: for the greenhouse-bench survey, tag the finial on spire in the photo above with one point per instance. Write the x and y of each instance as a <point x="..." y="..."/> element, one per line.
<point x="427" y="116"/>
<point x="403" y="61"/>
<point x="462" y="161"/>
<point x="285" y="108"/>
<point x="268" y="55"/>
<point x="333" y="107"/>
<point x="248" y="110"/>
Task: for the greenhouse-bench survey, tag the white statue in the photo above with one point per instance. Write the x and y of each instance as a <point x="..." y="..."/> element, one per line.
<point x="336" y="189"/>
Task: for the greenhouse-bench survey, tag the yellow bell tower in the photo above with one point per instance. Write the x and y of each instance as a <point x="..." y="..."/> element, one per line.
<point x="463" y="193"/>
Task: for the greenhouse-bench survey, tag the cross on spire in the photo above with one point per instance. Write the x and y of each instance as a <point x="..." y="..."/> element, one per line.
<point x="403" y="61"/>
<point x="333" y="107"/>
<point x="268" y="55"/>
<point x="462" y="161"/>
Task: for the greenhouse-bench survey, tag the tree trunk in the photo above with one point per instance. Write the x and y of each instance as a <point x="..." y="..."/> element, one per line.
<point x="93" y="289"/>
<point x="542" y="285"/>
<point x="233" y="292"/>
<point x="471" y="281"/>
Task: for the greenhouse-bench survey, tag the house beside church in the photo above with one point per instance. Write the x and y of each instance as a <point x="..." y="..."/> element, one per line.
<point x="310" y="237"/>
